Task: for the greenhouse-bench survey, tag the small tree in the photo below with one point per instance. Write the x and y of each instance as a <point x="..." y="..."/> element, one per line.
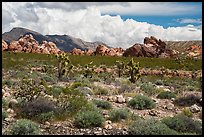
<point x="64" y="65"/>
<point x="134" y="70"/>
<point x="88" y="70"/>
<point x="121" y="66"/>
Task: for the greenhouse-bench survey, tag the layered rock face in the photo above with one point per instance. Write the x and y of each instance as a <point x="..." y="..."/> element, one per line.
<point x="194" y="51"/>
<point x="152" y="47"/>
<point x="28" y="44"/>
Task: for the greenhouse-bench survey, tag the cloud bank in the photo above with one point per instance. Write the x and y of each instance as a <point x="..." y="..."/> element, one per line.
<point x="90" y="23"/>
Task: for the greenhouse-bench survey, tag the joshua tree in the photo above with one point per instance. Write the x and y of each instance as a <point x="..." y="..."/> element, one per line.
<point x="121" y="66"/>
<point x="64" y="65"/>
<point x="134" y="70"/>
<point x="88" y="70"/>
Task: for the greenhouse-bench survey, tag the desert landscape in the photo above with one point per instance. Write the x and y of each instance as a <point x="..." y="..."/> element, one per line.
<point x="64" y="85"/>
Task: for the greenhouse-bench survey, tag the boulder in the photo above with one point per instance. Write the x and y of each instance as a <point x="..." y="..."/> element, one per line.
<point x="76" y="51"/>
<point x="4" y="45"/>
<point x="120" y="99"/>
<point x="195" y="108"/>
<point x="152" y="47"/>
<point x="101" y="50"/>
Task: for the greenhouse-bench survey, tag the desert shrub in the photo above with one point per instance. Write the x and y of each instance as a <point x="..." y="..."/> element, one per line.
<point x="149" y="88"/>
<point x="141" y="102"/>
<point x="118" y="114"/>
<point x="182" y="123"/>
<point x="125" y="88"/>
<point x="102" y="104"/>
<point x="48" y="78"/>
<point x="187" y="112"/>
<point x="159" y="82"/>
<point x="4" y="102"/>
<point x="166" y="95"/>
<point x="29" y="90"/>
<point x="7" y="82"/>
<point x="77" y="84"/>
<point x="34" y="109"/>
<point x="86" y="119"/>
<point x="46" y="116"/>
<point x="85" y="90"/>
<point x="134" y="117"/>
<point x="188" y="100"/>
<point x="4" y="115"/>
<point x="150" y="127"/>
<point x="24" y="127"/>
<point x="55" y="90"/>
<point x="71" y="101"/>
<point x="101" y="91"/>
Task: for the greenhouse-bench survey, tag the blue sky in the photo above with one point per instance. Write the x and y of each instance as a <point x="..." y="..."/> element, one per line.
<point x="166" y="20"/>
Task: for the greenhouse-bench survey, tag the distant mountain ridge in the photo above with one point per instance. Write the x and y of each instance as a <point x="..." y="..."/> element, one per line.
<point x="181" y="46"/>
<point x="63" y="42"/>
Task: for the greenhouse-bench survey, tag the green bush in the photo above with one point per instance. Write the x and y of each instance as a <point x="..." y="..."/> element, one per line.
<point x="48" y="78"/>
<point x="102" y="104"/>
<point x="86" y="119"/>
<point x="118" y="114"/>
<point x="39" y="109"/>
<point x="150" y="127"/>
<point x="46" y="116"/>
<point x="7" y="82"/>
<point x="78" y="84"/>
<point x="166" y="95"/>
<point x="187" y="112"/>
<point x="101" y="91"/>
<point x="24" y="127"/>
<point x="141" y="102"/>
<point x="149" y="88"/>
<point x="71" y="101"/>
<point x="159" y="82"/>
<point x="182" y="123"/>
<point x="188" y="100"/>
<point x="55" y="90"/>
<point x="4" y="102"/>
<point x="4" y="115"/>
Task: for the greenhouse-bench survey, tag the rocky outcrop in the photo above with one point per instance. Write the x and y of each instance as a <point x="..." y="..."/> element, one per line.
<point x="76" y="51"/>
<point x="194" y="51"/>
<point x="105" y="51"/>
<point x="152" y="47"/>
<point x="28" y="44"/>
<point x="4" y="45"/>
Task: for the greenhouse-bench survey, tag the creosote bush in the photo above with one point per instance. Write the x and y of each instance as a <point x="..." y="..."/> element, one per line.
<point x="188" y="100"/>
<point x="141" y="102"/>
<point x="4" y="115"/>
<point x="182" y="123"/>
<point x="116" y="115"/>
<point x="101" y="91"/>
<point x="166" y="95"/>
<point x="187" y="112"/>
<point x="150" y="127"/>
<point x="149" y="88"/>
<point x="24" y="127"/>
<point x="102" y="104"/>
<point x="39" y="110"/>
<point x="86" y="119"/>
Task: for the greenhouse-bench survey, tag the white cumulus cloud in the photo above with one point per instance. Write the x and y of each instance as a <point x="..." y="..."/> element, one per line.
<point x="89" y="24"/>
